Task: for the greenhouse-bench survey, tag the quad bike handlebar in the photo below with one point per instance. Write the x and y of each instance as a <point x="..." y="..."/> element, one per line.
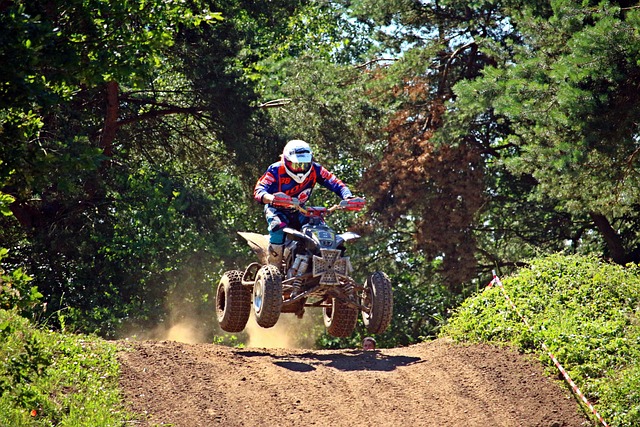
<point x="354" y="204"/>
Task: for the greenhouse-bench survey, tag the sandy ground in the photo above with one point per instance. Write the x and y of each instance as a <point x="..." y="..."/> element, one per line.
<point x="435" y="383"/>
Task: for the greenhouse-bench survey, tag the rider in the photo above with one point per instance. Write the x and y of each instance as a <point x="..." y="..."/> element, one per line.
<point x="294" y="176"/>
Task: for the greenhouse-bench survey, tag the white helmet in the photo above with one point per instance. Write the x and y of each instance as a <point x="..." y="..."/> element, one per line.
<point x="297" y="158"/>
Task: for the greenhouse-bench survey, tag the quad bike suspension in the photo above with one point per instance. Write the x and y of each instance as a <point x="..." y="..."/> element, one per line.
<point x="296" y="286"/>
<point x="349" y="288"/>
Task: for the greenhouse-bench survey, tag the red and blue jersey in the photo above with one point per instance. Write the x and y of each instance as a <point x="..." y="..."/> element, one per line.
<point x="276" y="179"/>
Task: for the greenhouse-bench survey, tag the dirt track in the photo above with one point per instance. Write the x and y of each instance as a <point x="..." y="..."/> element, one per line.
<point x="430" y="384"/>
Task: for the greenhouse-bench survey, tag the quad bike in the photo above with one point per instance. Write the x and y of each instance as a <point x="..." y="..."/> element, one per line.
<point x="314" y="273"/>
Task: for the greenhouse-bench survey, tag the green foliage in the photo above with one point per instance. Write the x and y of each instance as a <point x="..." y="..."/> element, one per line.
<point x="52" y="379"/>
<point x="542" y="91"/>
<point x="156" y="249"/>
<point x="15" y="291"/>
<point x="55" y="46"/>
<point x="585" y="311"/>
<point x="229" y="340"/>
<point x="541" y="96"/>
<point x="5" y="201"/>
<point x="330" y="109"/>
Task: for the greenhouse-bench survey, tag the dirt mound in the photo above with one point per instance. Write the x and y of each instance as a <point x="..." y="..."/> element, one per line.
<point x="430" y="384"/>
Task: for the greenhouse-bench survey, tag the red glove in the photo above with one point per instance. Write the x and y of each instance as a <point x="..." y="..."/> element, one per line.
<point x="282" y="200"/>
<point x="353" y="204"/>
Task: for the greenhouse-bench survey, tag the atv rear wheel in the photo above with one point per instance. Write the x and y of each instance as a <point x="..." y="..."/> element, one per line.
<point x="267" y="296"/>
<point x="378" y="297"/>
<point x="233" y="302"/>
<point x="340" y="319"/>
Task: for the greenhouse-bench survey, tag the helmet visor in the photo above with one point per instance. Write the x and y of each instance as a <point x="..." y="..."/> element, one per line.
<point x="298" y="167"/>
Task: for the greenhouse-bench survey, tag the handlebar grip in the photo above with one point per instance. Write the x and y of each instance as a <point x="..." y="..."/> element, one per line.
<point x="281" y="200"/>
<point x="353" y="204"/>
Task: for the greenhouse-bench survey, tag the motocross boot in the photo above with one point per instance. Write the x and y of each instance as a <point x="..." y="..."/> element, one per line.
<point x="275" y="255"/>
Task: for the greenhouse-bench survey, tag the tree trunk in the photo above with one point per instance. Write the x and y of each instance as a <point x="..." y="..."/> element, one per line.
<point x="110" y="120"/>
<point x="611" y="238"/>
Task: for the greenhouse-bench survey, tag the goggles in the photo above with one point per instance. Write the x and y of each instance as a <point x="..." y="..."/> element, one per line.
<point x="298" y="167"/>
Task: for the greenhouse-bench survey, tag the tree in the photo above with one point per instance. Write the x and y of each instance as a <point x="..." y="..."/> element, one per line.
<point x="568" y="95"/>
<point x="120" y="125"/>
<point x="436" y="185"/>
<point x="506" y="137"/>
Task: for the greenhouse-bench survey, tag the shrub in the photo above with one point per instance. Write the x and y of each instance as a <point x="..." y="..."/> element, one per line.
<point x="15" y="291"/>
<point x="584" y="310"/>
<point x="50" y="379"/>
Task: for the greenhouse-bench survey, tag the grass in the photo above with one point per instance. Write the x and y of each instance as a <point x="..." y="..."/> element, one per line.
<point x="56" y="379"/>
<point x="586" y="312"/>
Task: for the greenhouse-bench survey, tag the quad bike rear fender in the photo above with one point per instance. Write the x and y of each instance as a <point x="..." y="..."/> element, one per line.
<point x="259" y="243"/>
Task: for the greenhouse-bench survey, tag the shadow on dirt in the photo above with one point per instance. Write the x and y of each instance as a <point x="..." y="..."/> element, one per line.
<point x="295" y="366"/>
<point x="355" y="360"/>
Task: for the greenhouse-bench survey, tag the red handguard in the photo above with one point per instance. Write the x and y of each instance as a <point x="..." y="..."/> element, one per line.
<point x="282" y="200"/>
<point x="354" y="204"/>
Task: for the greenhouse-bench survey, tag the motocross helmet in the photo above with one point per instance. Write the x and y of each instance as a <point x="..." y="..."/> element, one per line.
<point x="297" y="157"/>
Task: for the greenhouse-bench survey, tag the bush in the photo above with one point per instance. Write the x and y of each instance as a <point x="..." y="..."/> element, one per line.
<point x="584" y="310"/>
<point x="15" y="291"/>
<point x="51" y="379"/>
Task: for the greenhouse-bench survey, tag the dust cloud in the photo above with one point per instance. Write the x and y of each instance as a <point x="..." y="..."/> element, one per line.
<point x="184" y="325"/>
<point x="290" y="332"/>
<point x="185" y="331"/>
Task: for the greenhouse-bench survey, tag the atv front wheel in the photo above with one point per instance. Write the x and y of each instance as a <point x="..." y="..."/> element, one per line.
<point x="378" y="297"/>
<point x="267" y="295"/>
<point x="340" y="318"/>
<point x="233" y="302"/>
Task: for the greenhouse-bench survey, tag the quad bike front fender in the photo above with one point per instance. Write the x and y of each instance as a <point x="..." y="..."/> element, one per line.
<point x="345" y="237"/>
<point x="298" y="235"/>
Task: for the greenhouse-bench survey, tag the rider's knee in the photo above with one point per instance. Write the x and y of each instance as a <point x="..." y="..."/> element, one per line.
<point x="276" y="237"/>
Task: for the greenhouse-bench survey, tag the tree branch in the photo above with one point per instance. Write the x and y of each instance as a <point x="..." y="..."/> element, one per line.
<point x="445" y="73"/>
<point x="160" y="113"/>
<point x="275" y="103"/>
<point x="632" y="157"/>
<point x="366" y="64"/>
